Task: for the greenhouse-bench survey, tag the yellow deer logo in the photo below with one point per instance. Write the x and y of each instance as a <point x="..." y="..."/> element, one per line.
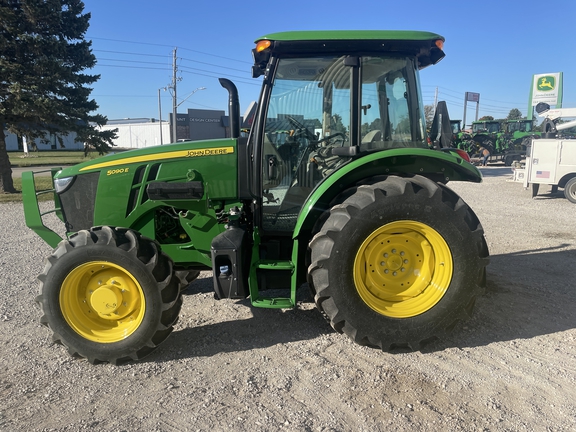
<point x="546" y="83"/>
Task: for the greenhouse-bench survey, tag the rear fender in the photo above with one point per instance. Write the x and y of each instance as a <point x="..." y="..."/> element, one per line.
<point x="436" y="165"/>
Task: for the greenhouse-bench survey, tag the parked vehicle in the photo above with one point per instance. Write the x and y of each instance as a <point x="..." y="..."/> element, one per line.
<point x="335" y="186"/>
<point x="505" y="140"/>
<point x="552" y="159"/>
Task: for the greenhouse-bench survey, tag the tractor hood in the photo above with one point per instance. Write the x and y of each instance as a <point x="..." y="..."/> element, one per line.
<point x="124" y="160"/>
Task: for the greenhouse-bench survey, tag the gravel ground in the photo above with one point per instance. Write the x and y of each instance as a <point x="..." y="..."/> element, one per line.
<point x="226" y="366"/>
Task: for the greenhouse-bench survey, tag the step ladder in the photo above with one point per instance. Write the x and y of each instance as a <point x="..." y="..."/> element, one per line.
<point x="271" y="265"/>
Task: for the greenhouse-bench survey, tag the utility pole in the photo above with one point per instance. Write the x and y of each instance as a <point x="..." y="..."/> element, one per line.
<point x="174" y="104"/>
<point x="160" y="114"/>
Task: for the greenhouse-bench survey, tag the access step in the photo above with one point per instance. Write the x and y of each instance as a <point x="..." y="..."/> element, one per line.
<point x="273" y="302"/>
<point x="274" y="265"/>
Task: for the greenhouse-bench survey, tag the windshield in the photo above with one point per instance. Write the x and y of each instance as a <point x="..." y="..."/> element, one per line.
<point x="490" y="127"/>
<point x="314" y="109"/>
<point x="520" y="126"/>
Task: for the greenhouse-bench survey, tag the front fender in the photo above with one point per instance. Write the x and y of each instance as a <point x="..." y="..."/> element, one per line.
<point x="438" y="166"/>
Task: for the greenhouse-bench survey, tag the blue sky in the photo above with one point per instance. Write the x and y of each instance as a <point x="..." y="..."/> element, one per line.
<point x="492" y="48"/>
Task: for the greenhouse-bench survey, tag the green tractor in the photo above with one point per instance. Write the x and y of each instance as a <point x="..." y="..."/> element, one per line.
<point x="487" y="133"/>
<point x="505" y="139"/>
<point x="334" y="186"/>
<point x="519" y="134"/>
<point x="460" y="138"/>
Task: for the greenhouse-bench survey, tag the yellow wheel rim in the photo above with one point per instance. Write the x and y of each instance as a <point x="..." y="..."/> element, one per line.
<point x="403" y="269"/>
<point x="102" y="302"/>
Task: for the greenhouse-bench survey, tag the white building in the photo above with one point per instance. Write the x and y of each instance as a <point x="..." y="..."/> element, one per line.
<point x="139" y="133"/>
<point x="68" y="141"/>
<point x="132" y="133"/>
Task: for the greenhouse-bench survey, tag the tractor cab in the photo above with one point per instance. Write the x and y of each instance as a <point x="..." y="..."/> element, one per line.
<point x="329" y="98"/>
<point x="513" y="126"/>
<point x="486" y="126"/>
<point x="456" y="126"/>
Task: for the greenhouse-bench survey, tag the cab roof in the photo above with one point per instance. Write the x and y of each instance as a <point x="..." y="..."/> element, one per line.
<point x="425" y="46"/>
<point x="316" y="35"/>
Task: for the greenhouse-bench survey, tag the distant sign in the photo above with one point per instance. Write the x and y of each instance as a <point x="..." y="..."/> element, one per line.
<point x="547" y="88"/>
<point x="204" y="120"/>
<point x="472" y="97"/>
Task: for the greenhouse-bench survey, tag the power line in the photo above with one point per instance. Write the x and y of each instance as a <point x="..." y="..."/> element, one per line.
<point x="461" y="94"/>
<point x="211" y="64"/>
<point x="132" y="61"/>
<point x="171" y="46"/>
<point x="132" y="53"/>
<point x="133" y="67"/>
<point x="238" y="79"/>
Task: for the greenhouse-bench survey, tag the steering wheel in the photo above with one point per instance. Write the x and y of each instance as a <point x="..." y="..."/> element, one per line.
<point x="302" y="129"/>
<point x="331" y="137"/>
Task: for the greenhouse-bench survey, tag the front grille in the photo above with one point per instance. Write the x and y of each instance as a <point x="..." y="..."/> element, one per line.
<point x="78" y="202"/>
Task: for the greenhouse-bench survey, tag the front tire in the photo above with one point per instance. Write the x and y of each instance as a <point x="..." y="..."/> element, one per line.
<point x="398" y="263"/>
<point x="108" y="295"/>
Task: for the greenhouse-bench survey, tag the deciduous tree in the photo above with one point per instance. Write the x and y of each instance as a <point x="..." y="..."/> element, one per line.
<point x="514" y="114"/>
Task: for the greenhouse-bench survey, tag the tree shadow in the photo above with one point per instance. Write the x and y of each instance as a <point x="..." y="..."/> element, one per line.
<point x="266" y="328"/>
<point x="529" y="293"/>
<point x="550" y="194"/>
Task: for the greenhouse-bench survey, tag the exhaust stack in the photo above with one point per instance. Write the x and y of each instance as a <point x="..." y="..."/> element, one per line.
<point x="233" y="107"/>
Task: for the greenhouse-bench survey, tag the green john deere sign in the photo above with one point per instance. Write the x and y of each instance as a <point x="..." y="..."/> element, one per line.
<point x="545" y="88"/>
<point x="546" y="83"/>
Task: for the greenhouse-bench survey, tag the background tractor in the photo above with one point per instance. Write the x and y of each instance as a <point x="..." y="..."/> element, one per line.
<point x="460" y="138"/>
<point x="334" y="185"/>
<point x="505" y="139"/>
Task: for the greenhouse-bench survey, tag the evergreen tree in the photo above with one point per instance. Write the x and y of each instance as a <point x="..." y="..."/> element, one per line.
<point x="44" y="90"/>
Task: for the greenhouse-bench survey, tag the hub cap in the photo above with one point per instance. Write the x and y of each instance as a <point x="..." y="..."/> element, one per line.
<point x="102" y="302"/>
<point x="403" y="269"/>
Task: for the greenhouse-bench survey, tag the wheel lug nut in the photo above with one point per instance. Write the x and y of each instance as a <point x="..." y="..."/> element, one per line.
<point x="394" y="274"/>
<point x="402" y="269"/>
<point x="402" y="253"/>
<point x="406" y="261"/>
<point x="382" y="263"/>
<point x="386" y="271"/>
<point x="385" y="255"/>
<point x="393" y="250"/>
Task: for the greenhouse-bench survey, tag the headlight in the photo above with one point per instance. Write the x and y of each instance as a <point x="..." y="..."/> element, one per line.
<point x="61" y="184"/>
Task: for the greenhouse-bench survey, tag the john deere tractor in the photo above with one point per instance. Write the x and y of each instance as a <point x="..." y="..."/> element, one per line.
<point x="334" y="186"/>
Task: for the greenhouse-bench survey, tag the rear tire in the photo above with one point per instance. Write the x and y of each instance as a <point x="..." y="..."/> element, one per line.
<point x="108" y="295"/>
<point x="186" y="277"/>
<point x="570" y="190"/>
<point x="398" y="263"/>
